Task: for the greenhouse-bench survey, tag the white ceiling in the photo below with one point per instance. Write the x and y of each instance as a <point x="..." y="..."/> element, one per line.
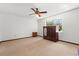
<point x="23" y="9"/>
<point x="54" y="8"/>
<point x="17" y="9"/>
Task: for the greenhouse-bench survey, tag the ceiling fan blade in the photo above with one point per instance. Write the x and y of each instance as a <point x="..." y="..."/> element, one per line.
<point x="43" y="12"/>
<point x="33" y="9"/>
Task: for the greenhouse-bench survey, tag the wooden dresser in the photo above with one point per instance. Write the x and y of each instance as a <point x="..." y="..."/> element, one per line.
<point x="49" y="33"/>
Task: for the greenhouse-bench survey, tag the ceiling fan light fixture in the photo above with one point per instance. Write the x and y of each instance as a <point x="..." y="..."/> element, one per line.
<point x="37" y="12"/>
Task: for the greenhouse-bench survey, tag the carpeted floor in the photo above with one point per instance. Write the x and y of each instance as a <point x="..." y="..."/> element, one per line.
<point x="37" y="46"/>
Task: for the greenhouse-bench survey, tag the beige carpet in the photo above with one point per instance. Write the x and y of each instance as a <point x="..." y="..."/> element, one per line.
<point x="37" y="47"/>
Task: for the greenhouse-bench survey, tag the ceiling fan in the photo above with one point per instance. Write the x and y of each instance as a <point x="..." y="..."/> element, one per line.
<point x="37" y="12"/>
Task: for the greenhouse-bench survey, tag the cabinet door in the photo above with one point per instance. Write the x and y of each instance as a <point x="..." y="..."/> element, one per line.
<point x="52" y="33"/>
<point x="48" y="33"/>
<point x="45" y="32"/>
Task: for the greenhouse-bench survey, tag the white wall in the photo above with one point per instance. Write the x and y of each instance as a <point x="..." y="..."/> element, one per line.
<point x="41" y="23"/>
<point x="15" y="21"/>
<point x="70" y="26"/>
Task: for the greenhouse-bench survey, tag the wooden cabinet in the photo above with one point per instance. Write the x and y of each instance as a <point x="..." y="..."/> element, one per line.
<point x="49" y="33"/>
<point x="34" y="34"/>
